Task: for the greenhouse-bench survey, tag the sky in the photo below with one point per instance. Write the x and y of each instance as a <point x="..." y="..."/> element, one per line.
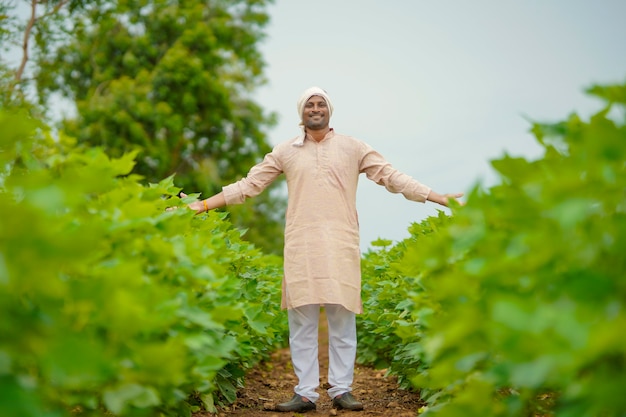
<point x="439" y="88"/>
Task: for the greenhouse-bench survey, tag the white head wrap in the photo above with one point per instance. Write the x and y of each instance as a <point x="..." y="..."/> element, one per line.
<point x="306" y="95"/>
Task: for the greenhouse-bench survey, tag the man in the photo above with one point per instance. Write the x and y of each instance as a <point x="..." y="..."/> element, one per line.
<point x="321" y="253"/>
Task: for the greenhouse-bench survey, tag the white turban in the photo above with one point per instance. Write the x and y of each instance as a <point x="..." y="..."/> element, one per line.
<point x="310" y="92"/>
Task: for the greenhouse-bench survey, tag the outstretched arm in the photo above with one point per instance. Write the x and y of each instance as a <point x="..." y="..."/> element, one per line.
<point x="210" y="203"/>
<point x="443" y="198"/>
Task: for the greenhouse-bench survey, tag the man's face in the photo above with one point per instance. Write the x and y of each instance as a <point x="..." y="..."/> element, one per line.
<point x="315" y="115"/>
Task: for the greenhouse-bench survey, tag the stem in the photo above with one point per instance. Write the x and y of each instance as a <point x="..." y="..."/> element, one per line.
<point x="29" y="29"/>
<point x="27" y="32"/>
<point x="56" y="8"/>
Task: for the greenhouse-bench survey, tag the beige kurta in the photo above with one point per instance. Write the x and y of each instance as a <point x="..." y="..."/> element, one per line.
<point x="322" y="257"/>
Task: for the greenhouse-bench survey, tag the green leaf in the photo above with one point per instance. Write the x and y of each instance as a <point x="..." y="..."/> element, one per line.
<point x="227" y="389"/>
<point x="123" y="396"/>
<point x="209" y="403"/>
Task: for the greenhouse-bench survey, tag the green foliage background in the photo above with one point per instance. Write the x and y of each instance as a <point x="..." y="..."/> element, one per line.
<point x="170" y="80"/>
<point x="111" y="303"/>
<point x="515" y="306"/>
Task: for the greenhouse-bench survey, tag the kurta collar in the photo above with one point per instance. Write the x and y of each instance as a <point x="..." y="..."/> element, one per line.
<point x="299" y="141"/>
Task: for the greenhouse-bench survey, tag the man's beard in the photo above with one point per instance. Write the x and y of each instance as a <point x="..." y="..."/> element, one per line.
<point x="316" y="125"/>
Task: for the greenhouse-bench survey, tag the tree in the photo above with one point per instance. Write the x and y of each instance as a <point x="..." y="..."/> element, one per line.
<point x="173" y="80"/>
<point x="41" y="22"/>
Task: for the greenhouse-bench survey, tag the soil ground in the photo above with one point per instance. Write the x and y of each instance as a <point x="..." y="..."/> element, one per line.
<point x="272" y="382"/>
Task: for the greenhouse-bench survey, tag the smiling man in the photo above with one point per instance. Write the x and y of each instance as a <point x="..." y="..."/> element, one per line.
<point x="322" y="254"/>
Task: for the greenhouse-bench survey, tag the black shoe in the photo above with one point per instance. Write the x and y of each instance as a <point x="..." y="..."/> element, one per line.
<point x="347" y="402"/>
<point x="296" y="403"/>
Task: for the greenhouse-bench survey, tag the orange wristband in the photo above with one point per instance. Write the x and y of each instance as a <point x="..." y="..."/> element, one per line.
<point x="206" y="207"/>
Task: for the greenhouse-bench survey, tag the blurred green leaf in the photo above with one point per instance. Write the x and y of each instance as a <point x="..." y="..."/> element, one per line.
<point x="118" y="399"/>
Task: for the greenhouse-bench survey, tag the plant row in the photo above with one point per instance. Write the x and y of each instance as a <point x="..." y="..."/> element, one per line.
<point x="111" y="303"/>
<point x="515" y="305"/>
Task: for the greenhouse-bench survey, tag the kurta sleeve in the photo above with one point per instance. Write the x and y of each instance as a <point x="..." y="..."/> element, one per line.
<point x="257" y="180"/>
<point x="377" y="169"/>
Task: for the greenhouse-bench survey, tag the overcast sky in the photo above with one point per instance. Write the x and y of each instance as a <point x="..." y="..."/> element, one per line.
<point x="439" y="88"/>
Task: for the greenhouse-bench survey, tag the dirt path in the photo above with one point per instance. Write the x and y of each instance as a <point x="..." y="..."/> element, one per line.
<point x="272" y="382"/>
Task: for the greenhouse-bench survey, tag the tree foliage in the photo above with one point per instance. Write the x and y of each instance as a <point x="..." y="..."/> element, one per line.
<point x="171" y="80"/>
<point x="26" y="29"/>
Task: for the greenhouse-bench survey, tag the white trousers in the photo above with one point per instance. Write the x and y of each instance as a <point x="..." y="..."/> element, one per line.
<point x="303" y="342"/>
